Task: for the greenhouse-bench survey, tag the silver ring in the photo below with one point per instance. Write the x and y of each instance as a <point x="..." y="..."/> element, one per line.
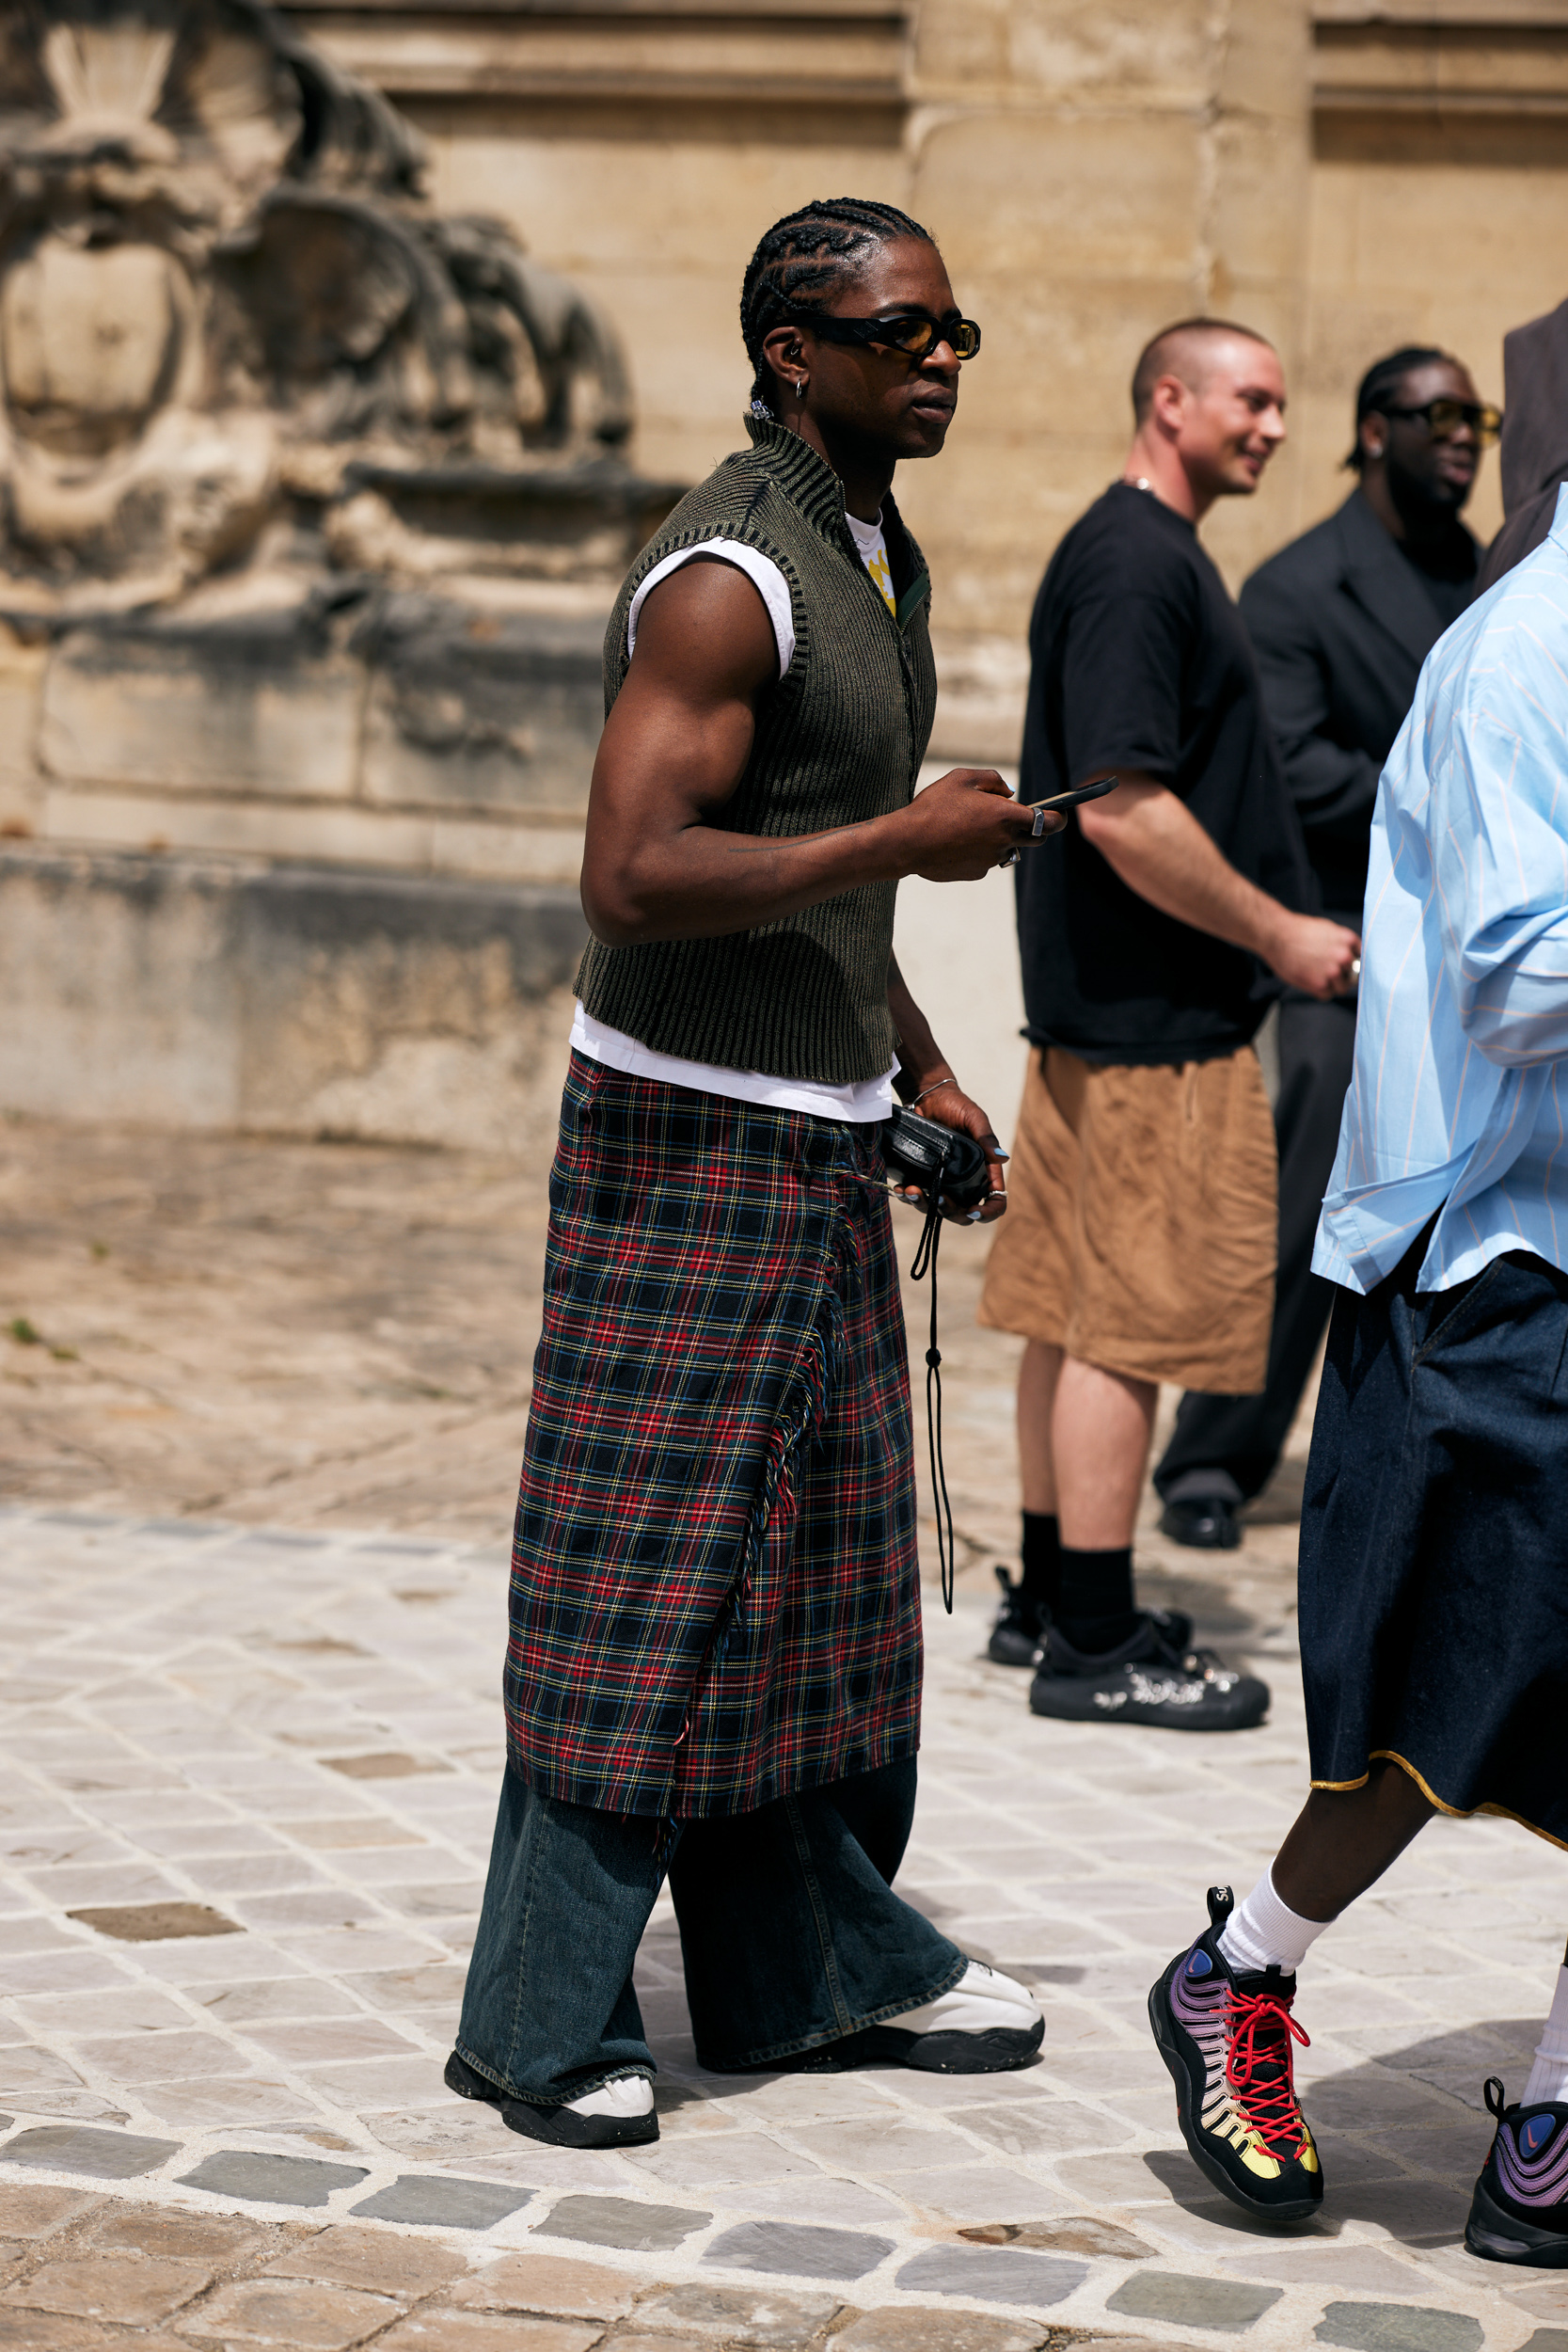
<point x="1355" y="967"/>
<point x="1011" y="859"/>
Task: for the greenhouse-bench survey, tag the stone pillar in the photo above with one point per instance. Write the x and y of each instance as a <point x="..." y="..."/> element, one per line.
<point x="1259" y="157"/>
<point x="1091" y="176"/>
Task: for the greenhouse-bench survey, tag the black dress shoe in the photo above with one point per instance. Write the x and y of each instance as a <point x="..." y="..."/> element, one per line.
<point x="1207" y="1522"/>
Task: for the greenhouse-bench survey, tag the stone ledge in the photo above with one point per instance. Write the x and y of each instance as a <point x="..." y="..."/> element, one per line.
<point x="834" y="52"/>
<point x="296" y="1000"/>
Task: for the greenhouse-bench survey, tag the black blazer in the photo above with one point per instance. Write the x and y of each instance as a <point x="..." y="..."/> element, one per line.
<point x="1341" y="624"/>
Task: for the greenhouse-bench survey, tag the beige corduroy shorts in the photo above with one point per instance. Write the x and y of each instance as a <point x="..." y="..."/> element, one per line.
<point x="1140" y="1232"/>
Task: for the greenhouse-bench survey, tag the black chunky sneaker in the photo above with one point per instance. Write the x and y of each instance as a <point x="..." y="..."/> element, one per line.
<point x="592" y="2121"/>
<point x="1019" y="1626"/>
<point x="1519" y="2212"/>
<point x="1154" y="1677"/>
<point x="1227" y="2040"/>
<point x="986" y="2024"/>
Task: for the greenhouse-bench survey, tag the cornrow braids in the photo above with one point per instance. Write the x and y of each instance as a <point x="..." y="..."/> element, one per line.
<point x="803" y="259"/>
<point x="1383" y="382"/>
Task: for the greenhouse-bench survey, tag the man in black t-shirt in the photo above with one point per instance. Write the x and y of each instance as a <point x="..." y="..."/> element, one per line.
<point x="1342" y="621"/>
<point x="1139" y="1244"/>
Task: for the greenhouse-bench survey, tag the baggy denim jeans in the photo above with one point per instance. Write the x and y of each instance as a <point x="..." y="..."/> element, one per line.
<point x="791" y="1935"/>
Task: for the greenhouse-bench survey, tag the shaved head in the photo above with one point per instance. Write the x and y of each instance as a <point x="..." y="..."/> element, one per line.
<point x="1185" y="351"/>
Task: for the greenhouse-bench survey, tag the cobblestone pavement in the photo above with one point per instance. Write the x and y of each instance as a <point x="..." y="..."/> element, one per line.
<point x="248" y="1769"/>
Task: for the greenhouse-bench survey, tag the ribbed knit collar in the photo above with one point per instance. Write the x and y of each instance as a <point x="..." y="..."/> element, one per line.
<point x="812" y="484"/>
<point x="808" y="479"/>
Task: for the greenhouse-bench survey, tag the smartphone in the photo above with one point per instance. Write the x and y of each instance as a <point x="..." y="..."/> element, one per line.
<point x="1079" y="792"/>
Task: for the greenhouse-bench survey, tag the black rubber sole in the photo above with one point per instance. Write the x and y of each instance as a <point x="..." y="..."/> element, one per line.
<point x="558" y="2127"/>
<point x="470" y="2084"/>
<point x="1063" y="1699"/>
<point x="1498" y="2236"/>
<point x="1298" y="2208"/>
<point x="1000" y="2051"/>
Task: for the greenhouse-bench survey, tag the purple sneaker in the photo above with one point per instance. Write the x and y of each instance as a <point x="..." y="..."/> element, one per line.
<point x="1228" y="2043"/>
<point x="1519" y="2213"/>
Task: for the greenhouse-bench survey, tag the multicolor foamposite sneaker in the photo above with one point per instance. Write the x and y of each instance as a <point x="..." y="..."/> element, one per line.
<point x="1519" y="2213"/>
<point x="1227" y="2040"/>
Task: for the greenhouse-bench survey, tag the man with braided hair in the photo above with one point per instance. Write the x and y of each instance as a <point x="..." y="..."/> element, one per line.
<point x="715" y="1659"/>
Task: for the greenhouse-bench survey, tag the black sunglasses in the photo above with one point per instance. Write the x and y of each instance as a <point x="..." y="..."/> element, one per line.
<point x="1443" y="418"/>
<point x="914" y="337"/>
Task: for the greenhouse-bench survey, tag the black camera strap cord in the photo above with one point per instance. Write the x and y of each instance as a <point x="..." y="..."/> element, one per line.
<point x="925" y="1263"/>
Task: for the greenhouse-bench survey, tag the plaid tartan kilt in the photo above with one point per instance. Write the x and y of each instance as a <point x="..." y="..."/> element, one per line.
<point x="714" y="1592"/>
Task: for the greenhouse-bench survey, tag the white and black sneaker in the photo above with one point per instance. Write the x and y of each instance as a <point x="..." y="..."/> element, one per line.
<point x="986" y="2024"/>
<point x="1154" y="1679"/>
<point x="1020" y="1626"/>
<point x="620" y="2114"/>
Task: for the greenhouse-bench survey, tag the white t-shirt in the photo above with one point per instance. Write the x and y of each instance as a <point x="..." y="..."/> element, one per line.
<point x="869" y="1099"/>
<point x="872" y="547"/>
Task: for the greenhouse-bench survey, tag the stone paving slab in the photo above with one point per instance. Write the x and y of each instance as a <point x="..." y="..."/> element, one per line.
<point x="252" y="1608"/>
<point x="287" y="2076"/>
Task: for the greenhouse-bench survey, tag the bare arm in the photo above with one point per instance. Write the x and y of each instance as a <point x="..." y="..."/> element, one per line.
<point x="655" y="865"/>
<point x="1154" y="843"/>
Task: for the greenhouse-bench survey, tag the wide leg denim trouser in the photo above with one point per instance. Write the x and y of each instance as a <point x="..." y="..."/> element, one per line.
<point x="791" y="1935"/>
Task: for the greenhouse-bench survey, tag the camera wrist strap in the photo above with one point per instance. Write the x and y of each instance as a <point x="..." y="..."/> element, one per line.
<point x="925" y="1263"/>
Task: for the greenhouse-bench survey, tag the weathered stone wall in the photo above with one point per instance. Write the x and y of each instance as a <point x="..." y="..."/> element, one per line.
<point x="391" y="730"/>
<point x="1345" y="174"/>
<point x="1348" y="176"/>
<point x="295" y="1000"/>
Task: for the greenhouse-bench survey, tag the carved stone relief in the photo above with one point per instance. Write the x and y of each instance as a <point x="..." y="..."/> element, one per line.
<point x="231" y="325"/>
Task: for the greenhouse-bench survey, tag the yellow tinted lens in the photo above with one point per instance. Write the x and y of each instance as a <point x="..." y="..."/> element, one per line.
<point x="914" y="336"/>
<point x="1445" y="417"/>
<point x="965" y="339"/>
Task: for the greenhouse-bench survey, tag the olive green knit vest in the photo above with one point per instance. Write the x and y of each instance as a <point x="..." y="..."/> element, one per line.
<point x="840" y="739"/>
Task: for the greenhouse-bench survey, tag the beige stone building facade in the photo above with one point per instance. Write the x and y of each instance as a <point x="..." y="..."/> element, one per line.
<point x="1346" y="174"/>
<point x="292" y="797"/>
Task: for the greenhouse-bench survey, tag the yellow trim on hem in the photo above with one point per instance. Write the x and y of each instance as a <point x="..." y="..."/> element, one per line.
<point x="1454" y="1812"/>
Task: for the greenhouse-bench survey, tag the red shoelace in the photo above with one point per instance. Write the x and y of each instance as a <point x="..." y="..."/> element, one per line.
<point x="1259" y="2068"/>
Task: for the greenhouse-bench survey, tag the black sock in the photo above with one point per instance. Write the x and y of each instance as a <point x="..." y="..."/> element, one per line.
<point x="1041" y="1579"/>
<point x="1097" y="1614"/>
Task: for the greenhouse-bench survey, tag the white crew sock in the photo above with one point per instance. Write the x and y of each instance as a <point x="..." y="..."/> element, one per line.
<point x="1548" y="2076"/>
<point x="1263" y="1932"/>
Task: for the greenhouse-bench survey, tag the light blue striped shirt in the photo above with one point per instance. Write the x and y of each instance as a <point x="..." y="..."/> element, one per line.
<point x="1459" y="1102"/>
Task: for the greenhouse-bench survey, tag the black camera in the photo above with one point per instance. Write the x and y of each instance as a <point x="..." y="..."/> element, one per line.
<point x="945" y="1163"/>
